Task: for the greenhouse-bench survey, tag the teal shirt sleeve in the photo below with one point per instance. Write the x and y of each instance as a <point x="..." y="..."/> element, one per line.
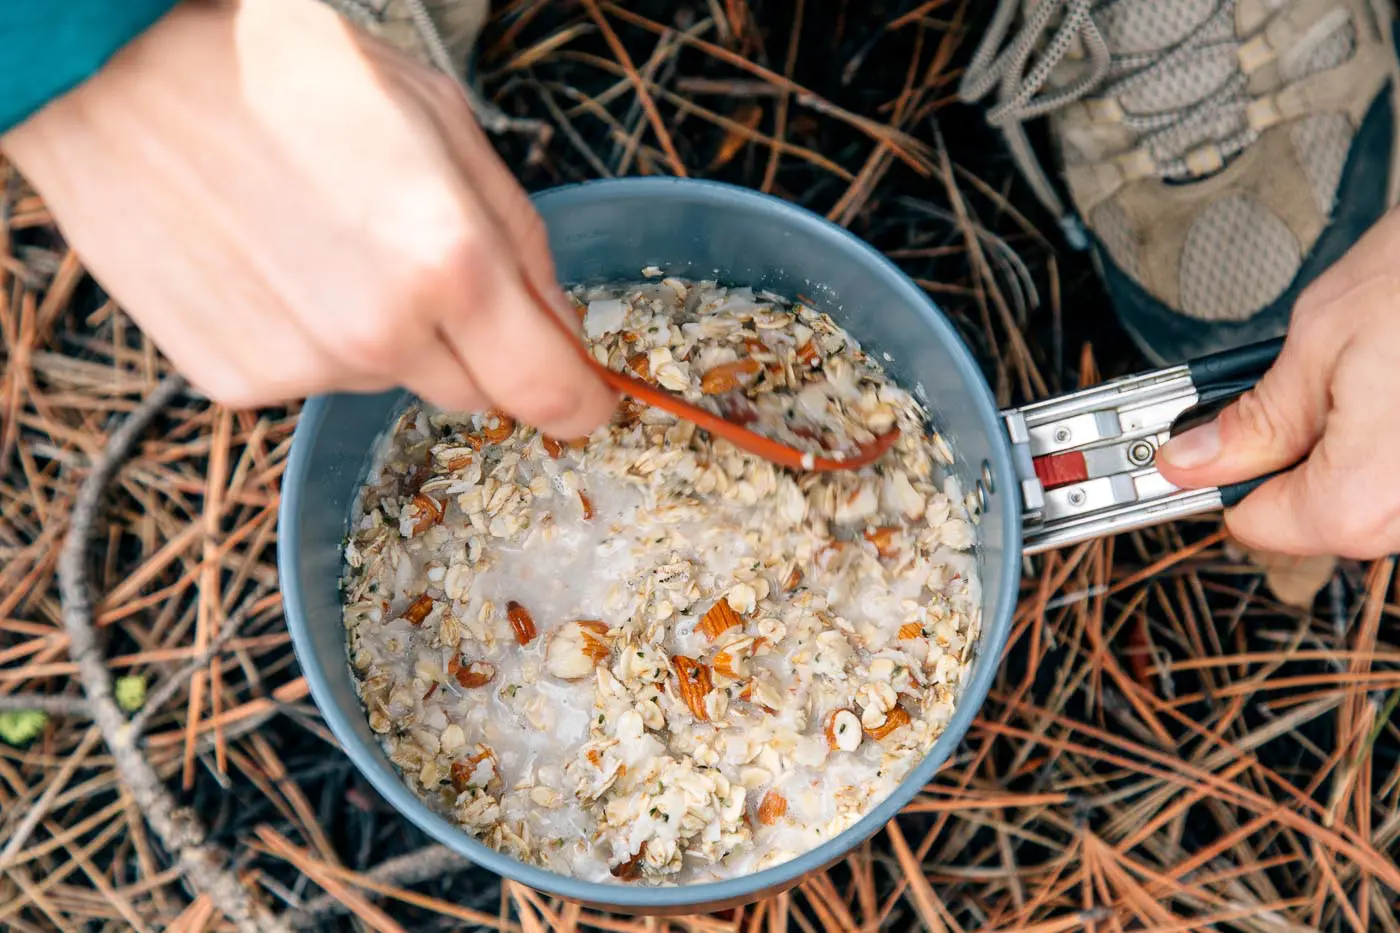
<point x="49" y="47"/>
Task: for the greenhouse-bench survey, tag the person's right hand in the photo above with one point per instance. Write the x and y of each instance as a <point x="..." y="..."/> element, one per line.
<point x="1329" y="405"/>
<point x="287" y="207"/>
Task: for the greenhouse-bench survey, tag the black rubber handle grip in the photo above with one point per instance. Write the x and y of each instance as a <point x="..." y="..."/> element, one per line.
<point x="1222" y="391"/>
<point x="1220" y="378"/>
<point x="1242" y="363"/>
<point x="1233" y="494"/>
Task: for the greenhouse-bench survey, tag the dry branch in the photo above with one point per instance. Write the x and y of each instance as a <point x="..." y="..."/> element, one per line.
<point x="179" y="829"/>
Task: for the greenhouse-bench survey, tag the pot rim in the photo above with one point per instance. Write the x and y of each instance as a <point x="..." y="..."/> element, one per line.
<point x="779" y="877"/>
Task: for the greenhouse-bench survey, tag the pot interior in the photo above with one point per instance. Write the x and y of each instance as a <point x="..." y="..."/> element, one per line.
<point x="610" y="231"/>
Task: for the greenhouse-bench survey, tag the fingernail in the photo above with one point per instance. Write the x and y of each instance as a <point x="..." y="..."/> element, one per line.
<point x="1195" y="448"/>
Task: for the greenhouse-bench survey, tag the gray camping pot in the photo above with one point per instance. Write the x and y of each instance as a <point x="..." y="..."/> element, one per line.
<point x="1047" y="475"/>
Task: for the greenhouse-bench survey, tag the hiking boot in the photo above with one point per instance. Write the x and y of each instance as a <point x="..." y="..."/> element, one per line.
<point x="1217" y="154"/>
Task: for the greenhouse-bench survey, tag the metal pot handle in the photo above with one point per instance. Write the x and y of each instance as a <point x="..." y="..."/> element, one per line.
<point x="1086" y="460"/>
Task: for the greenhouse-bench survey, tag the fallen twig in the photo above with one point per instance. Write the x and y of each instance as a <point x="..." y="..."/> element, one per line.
<point x="58" y="706"/>
<point x="179" y="829"/>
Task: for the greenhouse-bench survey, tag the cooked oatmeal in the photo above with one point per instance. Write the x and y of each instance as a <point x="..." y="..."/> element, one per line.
<point x="650" y="656"/>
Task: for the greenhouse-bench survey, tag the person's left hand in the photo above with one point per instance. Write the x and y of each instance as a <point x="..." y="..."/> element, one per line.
<point x="1331" y="405"/>
<point x="287" y="206"/>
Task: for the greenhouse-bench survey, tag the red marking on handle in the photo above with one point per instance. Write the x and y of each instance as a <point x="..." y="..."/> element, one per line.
<point x="1061" y="469"/>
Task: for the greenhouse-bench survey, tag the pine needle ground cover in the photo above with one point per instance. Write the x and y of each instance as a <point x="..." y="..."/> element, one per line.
<point x="1174" y="742"/>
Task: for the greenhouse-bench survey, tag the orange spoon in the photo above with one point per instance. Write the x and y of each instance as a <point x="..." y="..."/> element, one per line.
<point x="738" y="435"/>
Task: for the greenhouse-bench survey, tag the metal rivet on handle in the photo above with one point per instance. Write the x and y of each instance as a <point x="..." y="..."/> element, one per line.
<point x="982" y="495"/>
<point x="987" y="479"/>
<point x="1141" y="453"/>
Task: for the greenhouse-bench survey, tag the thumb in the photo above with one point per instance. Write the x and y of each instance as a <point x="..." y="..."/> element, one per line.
<point x="1295" y="513"/>
<point x="1271" y="427"/>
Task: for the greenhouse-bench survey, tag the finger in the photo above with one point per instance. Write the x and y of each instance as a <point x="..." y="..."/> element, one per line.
<point x="393" y="349"/>
<point x="1274" y="425"/>
<point x="491" y="180"/>
<point x="1278" y="516"/>
<point x="507" y="201"/>
<point x="516" y="351"/>
<point x="1320" y="508"/>
<point x="440" y="378"/>
<point x="526" y="231"/>
<point x="282" y="364"/>
<point x="1269" y="428"/>
<point x="524" y="362"/>
<point x="1342" y="500"/>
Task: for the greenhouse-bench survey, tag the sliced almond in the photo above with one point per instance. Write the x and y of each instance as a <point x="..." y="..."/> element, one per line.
<point x="897" y="717"/>
<point x="629" y="412"/>
<point x="693" y="682"/>
<point x="726" y="377"/>
<point x="842" y="730"/>
<point x="808" y="354"/>
<point x="587" y="504"/>
<point x="521" y="621"/>
<point x="911" y="630"/>
<point x="496" y="426"/>
<point x="576" y="649"/>
<point x="731" y="662"/>
<point x="743" y="597"/>
<point x="720" y="618"/>
<point x="794" y="579"/>
<point x="639" y="365"/>
<point x="430" y="512"/>
<point x="459" y="463"/>
<point x="418" y="610"/>
<point x="761" y="692"/>
<point x="555" y="447"/>
<point x="463" y="768"/>
<point x="883" y="539"/>
<point x="772" y="808"/>
<point x="473" y="674"/>
<point x="595" y="643"/>
<point x="631" y="869"/>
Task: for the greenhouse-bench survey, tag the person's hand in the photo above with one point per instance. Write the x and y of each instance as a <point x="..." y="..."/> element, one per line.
<point x="287" y="206"/>
<point x="1332" y="401"/>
